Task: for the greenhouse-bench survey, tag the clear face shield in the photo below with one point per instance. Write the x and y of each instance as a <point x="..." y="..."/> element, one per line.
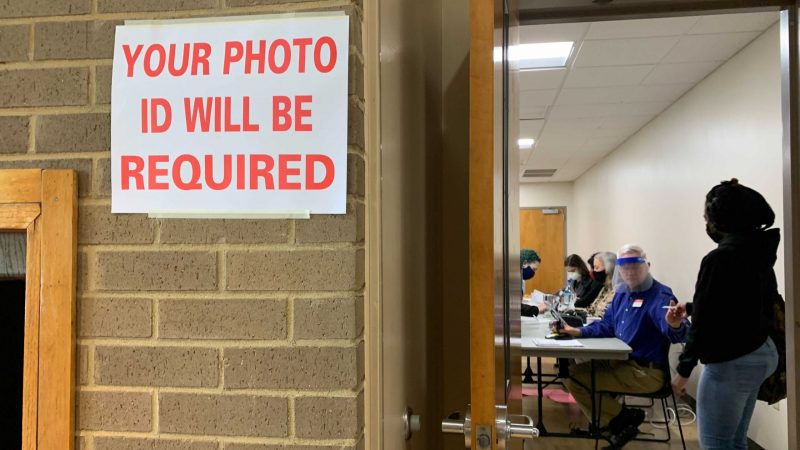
<point x="631" y="272"/>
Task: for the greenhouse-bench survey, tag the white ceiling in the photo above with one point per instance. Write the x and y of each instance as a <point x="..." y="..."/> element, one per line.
<point x="621" y="75"/>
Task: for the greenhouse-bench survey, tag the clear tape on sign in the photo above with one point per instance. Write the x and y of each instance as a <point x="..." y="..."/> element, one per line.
<point x="304" y="214"/>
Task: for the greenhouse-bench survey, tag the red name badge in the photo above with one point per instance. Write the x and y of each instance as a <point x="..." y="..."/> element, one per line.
<point x="638" y="303"/>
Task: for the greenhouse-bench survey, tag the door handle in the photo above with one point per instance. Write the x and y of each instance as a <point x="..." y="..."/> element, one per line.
<point x="508" y="427"/>
<point x="524" y="430"/>
<point x="459" y="423"/>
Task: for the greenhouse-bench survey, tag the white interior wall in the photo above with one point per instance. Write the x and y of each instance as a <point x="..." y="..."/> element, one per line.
<point x="651" y="190"/>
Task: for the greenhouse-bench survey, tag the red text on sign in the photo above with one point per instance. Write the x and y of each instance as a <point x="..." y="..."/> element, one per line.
<point x="154" y="58"/>
<point x="286" y="172"/>
<point x="215" y="114"/>
<point x="282" y="113"/>
<point x="156" y="115"/>
<point x="277" y="56"/>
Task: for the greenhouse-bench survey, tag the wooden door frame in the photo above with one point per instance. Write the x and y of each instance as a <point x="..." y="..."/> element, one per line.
<point x="43" y="204"/>
<point x="482" y="137"/>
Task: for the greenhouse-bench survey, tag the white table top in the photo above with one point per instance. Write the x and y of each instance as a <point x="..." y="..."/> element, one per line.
<point x="593" y="348"/>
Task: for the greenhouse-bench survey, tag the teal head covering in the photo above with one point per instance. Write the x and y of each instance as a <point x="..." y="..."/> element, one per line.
<point x="528" y="255"/>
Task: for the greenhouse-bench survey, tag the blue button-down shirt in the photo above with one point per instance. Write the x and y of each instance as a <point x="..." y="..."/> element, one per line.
<point x="643" y="327"/>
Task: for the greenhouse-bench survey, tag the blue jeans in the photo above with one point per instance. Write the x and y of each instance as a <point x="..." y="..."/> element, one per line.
<point x="726" y="397"/>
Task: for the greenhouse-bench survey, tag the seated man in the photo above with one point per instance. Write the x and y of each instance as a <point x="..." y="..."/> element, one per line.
<point x="638" y="316"/>
<point x="529" y="262"/>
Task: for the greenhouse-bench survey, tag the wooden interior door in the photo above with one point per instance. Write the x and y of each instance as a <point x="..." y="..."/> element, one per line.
<point x="543" y="230"/>
<point x="493" y="219"/>
<point x="43" y="204"/>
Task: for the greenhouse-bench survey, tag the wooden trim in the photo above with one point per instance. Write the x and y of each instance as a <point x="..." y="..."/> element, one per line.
<point x="20" y="186"/>
<point x="30" y="389"/>
<point x="373" y="328"/>
<point x="57" y="313"/>
<point x="481" y="215"/>
<point x="17" y="216"/>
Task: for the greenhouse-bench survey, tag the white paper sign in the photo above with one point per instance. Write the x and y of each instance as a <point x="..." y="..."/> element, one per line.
<point x="230" y="117"/>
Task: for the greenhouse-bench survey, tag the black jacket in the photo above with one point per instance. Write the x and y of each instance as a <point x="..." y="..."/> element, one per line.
<point x="732" y="308"/>
<point x="588" y="292"/>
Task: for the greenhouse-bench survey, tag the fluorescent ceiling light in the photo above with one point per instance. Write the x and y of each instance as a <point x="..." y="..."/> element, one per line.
<point x="537" y="56"/>
<point x="525" y="143"/>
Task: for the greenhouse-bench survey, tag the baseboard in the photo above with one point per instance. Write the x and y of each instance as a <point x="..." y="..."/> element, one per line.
<point x="751" y="445"/>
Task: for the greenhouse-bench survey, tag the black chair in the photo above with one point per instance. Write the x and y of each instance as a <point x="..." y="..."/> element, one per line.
<point x="663" y="395"/>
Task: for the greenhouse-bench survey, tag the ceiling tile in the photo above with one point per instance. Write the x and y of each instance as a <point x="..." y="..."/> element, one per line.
<point x="537" y="98"/>
<point x="613" y="132"/>
<point x="588" y="96"/>
<point x="708" y="47"/>
<point x="680" y="73"/>
<point x="539" y="160"/>
<point x="570" y="126"/>
<point x="607" y="110"/>
<point x="560" y="142"/>
<point x="594" y="150"/>
<point x="579" y="111"/>
<point x="727" y="23"/>
<point x="573" y="169"/>
<point x="524" y="155"/>
<point x="615" y="29"/>
<point x="619" y="52"/>
<point x="606" y="76"/>
<point x="623" y="122"/>
<point x="541" y="79"/>
<point x="530" y="128"/>
<point x="530" y="112"/>
<point x="657" y="92"/>
<point x="529" y="34"/>
<point x="624" y="74"/>
<point x="607" y="141"/>
<point x="639" y="108"/>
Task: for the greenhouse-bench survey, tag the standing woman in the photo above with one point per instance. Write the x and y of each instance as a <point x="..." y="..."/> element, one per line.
<point x="737" y="351"/>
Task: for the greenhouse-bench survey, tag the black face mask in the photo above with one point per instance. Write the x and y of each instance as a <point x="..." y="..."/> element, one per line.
<point x="528" y="273"/>
<point x="600" y="277"/>
<point x="713" y="233"/>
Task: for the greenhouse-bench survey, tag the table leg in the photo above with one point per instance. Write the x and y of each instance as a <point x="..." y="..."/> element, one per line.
<point x="540" y="420"/>
<point x="593" y="428"/>
<point x="528" y="373"/>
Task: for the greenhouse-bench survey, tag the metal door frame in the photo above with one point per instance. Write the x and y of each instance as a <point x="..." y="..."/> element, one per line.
<point x="571" y="11"/>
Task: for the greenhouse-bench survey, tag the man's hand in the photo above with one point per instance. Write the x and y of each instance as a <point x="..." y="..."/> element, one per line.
<point x="679" y="385"/>
<point x="675" y="314"/>
<point x="565" y="329"/>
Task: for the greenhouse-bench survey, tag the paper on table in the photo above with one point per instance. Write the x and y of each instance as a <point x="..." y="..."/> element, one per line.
<point x="537" y="297"/>
<point x="556" y="343"/>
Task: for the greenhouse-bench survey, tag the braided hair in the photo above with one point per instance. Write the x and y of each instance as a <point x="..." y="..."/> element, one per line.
<point x="732" y="207"/>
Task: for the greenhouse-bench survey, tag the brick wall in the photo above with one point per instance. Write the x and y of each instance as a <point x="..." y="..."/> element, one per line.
<point x="192" y="334"/>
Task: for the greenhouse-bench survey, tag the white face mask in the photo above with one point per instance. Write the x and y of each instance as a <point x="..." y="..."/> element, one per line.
<point x="573" y="276"/>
